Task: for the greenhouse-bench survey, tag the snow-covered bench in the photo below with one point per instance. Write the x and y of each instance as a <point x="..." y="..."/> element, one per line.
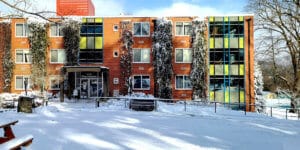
<point x="17" y="143"/>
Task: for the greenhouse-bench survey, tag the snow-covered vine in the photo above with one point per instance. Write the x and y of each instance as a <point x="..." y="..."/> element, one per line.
<point x="71" y="35"/>
<point x="199" y="63"/>
<point x="162" y="58"/>
<point x="125" y="60"/>
<point x="7" y="62"/>
<point x="38" y="44"/>
<point x="258" y="85"/>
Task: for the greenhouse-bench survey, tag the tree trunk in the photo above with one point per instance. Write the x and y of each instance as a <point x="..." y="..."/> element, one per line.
<point x="295" y="100"/>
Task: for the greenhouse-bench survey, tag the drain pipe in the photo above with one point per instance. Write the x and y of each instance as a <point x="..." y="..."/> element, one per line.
<point x="249" y="64"/>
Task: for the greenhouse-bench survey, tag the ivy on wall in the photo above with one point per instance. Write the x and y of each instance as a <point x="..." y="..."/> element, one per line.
<point x="162" y="58"/>
<point x="71" y="35"/>
<point x="6" y="56"/>
<point x="38" y="44"/>
<point x="199" y="60"/>
<point x="125" y="60"/>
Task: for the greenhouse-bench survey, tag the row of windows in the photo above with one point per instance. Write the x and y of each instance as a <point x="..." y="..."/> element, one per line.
<point x="139" y="56"/>
<point x="139" y="29"/>
<point x="139" y="82"/>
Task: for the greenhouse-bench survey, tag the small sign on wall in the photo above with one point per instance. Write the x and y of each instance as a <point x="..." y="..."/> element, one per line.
<point x="116" y="80"/>
<point x="116" y="93"/>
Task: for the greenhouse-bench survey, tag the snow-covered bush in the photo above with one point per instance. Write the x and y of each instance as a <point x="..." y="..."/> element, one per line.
<point x="258" y="85"/>
<point x="199" y="63"/>
<point x="162" y="58"/>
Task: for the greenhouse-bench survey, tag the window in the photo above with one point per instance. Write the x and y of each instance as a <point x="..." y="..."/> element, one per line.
<point x="183" y="82"/>
<point x="116" y="27"/>
<point x="183" y="28"/>
<point x="141" y="82"/>
<point x="21" y="81"/>
<point x="183" y="56"/>
<point x="58" y="56"/>
<point x="91" y="29"/>
<point x="54" y="83"/>
<point x="23" y="56"/>
<point x="22" y="30"/>
<point x="141" y="29"/>
<point x="141" y="55"/>
<point x="56" y="30"/>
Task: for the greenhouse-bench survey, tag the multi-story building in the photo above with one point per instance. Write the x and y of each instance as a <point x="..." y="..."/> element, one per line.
<point x="230" y="63"/>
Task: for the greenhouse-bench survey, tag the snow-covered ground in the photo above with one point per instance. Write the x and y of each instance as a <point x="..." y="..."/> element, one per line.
<point x="80" y="125"/>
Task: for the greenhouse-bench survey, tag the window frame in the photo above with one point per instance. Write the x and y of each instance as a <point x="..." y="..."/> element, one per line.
<point x="25" y="30"/>
<point x="23" y="79"/>
<point x="141" y="84"/>
<point x="183" y="83"/>
<point x="183" y="28"/>
<point x="57" y="56"/>
<point x="58" y="30"/>
<point x="23" y="56"/>
<point x="141" y="26"/>
<point x="141" y="54"/>
<point x="183" y="49"/>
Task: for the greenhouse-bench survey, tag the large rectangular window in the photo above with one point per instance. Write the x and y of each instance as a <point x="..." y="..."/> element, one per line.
<point x="183" y="56"/>
<point x="22" y="30"/>
<point x="141" y="55"/>
<point x="141" y="29"/>
<point x="58" y="56"/>
<point x="23" y="56"/>
<point x="21" y="81"/>
<point x="183" y="28"/>
<point x="183" y="82"/>
<point x="56" y="30"/>
<point x="141" y="82"/>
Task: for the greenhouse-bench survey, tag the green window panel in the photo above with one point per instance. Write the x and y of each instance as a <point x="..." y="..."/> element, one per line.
<point x="226" y="96"/>
<point x="211" y="19"/>
<point x="218" y="42"/>
<point x="226" y="42"/>
<point x="211" y="69"/>
<point x="98" y="20"/>
<point x="82" y="43"/>
<point x="234" y="18"/>
<point x="234" y="42"/>
<point x="219" y="70"/>
<point x="212" y="96"/>
<point x="219" y="96"/>
<point x="84" y="20"/>
<point x="226" y="19"/>
<point x="242" y="96"/>
<point x="218" y="19"/>
<point x="226" y="69"/>
<point x="98" y="42"/>
<point x="241" y="18"/>
<point x="234" y="69"/>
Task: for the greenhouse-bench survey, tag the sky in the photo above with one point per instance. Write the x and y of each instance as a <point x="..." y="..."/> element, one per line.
<point x="153" y="7"/>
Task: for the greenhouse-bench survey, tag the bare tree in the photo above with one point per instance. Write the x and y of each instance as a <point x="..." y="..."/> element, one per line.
<point x="282" y="19"/>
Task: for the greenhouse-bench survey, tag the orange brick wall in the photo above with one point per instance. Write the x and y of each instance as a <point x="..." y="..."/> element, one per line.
<point x="75" y="7"/>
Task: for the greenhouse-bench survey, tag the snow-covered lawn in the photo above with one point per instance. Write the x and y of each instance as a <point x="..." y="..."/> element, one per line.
<point x="112" y="126"/>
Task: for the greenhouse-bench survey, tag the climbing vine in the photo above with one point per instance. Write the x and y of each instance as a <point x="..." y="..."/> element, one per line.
<point x="125" y="60"/>
<point x="6" y="56"/>
<point x="199" y="62"/>
<point x="71" y="35"/>
<point x="38" y="44"/>
<point x="162" y="58"/>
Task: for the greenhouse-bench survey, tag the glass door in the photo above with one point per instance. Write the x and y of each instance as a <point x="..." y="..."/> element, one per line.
<point x="84" y="85"/>
<point x="93" y="88"/>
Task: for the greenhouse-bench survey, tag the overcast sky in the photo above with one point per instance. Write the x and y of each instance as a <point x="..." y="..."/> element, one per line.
<point x="153" y="7"/>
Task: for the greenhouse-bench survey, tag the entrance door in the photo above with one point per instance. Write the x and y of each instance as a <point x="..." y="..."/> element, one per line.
<point x="84" y="86"/>
<point x="93" y="88"/>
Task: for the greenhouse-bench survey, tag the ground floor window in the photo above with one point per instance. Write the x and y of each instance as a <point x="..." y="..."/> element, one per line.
<point x="141" y="82"/>
<point x="21" y="81"/>
<point x="54" y="82"/>
<point x="183" y="82"/>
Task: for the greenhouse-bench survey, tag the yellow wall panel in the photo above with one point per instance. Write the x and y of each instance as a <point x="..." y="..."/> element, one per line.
<point x="211" y="95"/>
<point x="242" y="96"/>
<point x="82" y="42"/>
<point x="98" y="20"/>
<point x="241" y="42"/>
<point x="226" y="19"/>
<point x="211" y="19"/>
<point x="226" y="43"/>
<point x="211" y="69"/>
<point x="227" y="97"/>
<point x="211" y="43"/>
<point x="241" y="70"/>
<point x="241" y="18"/>
<point x="84" y="20"/>
<point x="226" y="69"/>
<point x="98" y="43"/>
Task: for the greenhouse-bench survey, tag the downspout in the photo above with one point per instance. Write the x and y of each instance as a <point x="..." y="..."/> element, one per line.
<point x="249" y="63"/>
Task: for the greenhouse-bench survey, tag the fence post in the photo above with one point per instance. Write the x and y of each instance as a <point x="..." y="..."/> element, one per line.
<point x="298" y="114"/>
<point x="215" y="107"/>
<point x="245" y="109"/>
<point x="286" y="113"/>
<point x="271" y="112"/>
<point x="185" y="105"/>
<point x="155" y="105"/>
